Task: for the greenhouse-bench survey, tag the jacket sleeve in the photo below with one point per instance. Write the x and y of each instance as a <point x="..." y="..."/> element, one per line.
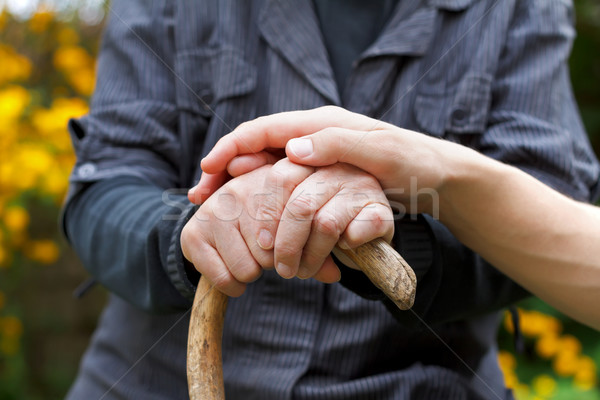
<point x="124" y="212"/>
<point x="534" y="125"/>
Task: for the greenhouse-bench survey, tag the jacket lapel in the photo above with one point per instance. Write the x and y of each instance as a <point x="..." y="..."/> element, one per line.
<point x="408" y="33"/>
<point x="291" y="28"/>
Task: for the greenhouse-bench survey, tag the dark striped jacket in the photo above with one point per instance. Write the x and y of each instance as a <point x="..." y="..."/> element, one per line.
<point x="173" y="77"/>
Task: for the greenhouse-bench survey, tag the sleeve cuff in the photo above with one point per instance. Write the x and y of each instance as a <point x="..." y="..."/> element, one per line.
<point x="180" y="271"/>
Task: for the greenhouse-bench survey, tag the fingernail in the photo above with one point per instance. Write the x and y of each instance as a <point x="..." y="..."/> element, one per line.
<point x="265" y="239"/>
<point x="303" y="273"/>
<point x="301" y="147"/>
<point x="284" y="271"/>
<point x="343" y="245"/>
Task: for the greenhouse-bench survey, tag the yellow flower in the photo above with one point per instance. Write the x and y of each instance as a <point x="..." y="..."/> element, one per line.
<point x="52" y="121"/>
<point x="83" y="81"/>
<point x="71" y="58"/>
<point x="511" y="380"/>
<point x="16" y="218"/>
<point x="506" y="360"/>
<point x="55" y="183"/>
<point x="586" y="362"/>
<point x="565" y="363"/>
<point x="570" y="343"/>
<point x="39" y="21"/>
<point x="535" y="323"/>
<point x="14" y="66"/>
<point x="11" y="326"/>
<point x="548" y="345"/>
<point x="67" y="36"/>
<point x="35" y="158"/>
<point x="544" y="385"/>
<point x="508" y="364"/>
<point x="13" y="100"/>
<point x="42" y="251"/>
<point x="585" y="379"/>
<point x="521" y="391"/>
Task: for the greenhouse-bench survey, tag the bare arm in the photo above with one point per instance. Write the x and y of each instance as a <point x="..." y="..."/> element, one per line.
<point x="543" y="240"/>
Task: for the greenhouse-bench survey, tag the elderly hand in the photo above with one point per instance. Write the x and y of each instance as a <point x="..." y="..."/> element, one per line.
<point x="285" y="215"/>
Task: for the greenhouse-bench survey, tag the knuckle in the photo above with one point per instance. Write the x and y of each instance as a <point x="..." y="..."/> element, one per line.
<point x="244" y="271"/>
<point x="223" y="280"/>
<point x="380" y="217"/>
<point x="330" y="131"/>
<point x="267" y="211"/>
<point x="278" y="178"/>
<point x="244" y="125"/>
<point x="301" y="208"/>
<point x="286" y="251"/>
<point x="311" y="259"/>
<point x="263" y="258"/>
<point x="334" y="110"/>
<point x="326" y="224"/>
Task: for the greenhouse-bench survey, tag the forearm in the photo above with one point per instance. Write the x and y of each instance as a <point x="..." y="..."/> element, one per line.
<point x="535" y="235"/>
<point x="118" y="229"/>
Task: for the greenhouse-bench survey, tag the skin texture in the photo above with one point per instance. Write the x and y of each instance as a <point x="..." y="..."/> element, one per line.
<point x="285" y="215"/>
<point x="543" y="240"/>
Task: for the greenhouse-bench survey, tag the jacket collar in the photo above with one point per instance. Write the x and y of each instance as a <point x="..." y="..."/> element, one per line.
<point x="291" y="28"/>
<point x="408" y="32"/>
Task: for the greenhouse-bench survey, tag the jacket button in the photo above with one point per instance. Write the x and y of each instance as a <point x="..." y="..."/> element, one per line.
<point x="459" y="116"/>
<point x="206" y="99"/>
<point x="86" y="170"/>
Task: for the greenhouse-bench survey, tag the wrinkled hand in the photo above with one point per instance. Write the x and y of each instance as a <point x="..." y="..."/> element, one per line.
<point x="313" y="210"/>
<point x="285" y="215"/>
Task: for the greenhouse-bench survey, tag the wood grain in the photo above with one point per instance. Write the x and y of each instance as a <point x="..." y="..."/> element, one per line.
<point x="204" y="360"/>
<point x="387" y="270"/>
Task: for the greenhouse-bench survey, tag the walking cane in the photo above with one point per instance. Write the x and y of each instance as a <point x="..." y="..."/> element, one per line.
<point x="377" y="259"/>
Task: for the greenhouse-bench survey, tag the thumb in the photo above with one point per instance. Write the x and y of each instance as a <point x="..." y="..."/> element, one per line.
<point x="333" y="145"/>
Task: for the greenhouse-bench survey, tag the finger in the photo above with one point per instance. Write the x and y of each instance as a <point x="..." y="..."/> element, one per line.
<point x="329" y="272"/>
<point x="235" y="254"/>
<point x="209" y="263"/>
<point x="297" y="228"/>
<point x="209" y="183"/>
<point x="327" y="226"/>
<point x="353" y="191"/>
<point x="280" y="182"/>
<point x="358" y="148"/>
<point x="373" y="221"/>
<point x="275" y="131"/>
<point x="249" y="162"/>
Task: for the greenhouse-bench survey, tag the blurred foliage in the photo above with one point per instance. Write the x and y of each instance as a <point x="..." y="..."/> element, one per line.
<point x="46" y="77"/>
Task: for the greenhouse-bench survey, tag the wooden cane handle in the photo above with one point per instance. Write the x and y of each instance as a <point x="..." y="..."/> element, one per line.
<point x="387" y="270"/>
<point x="377" y="259"/>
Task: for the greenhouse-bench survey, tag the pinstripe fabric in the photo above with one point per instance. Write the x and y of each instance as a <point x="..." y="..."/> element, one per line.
<point x="173" y="77"/>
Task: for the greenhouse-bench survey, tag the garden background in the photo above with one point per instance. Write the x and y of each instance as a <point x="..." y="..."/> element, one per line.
<point x="47" y="52"/>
